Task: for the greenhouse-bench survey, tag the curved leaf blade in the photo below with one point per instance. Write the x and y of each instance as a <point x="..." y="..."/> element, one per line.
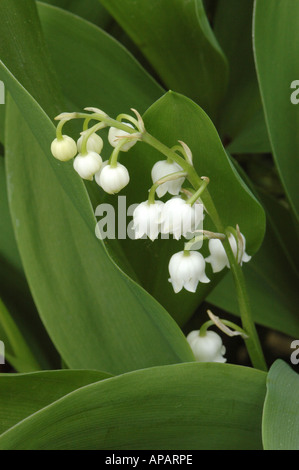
<point x="25" y="338"/>
<point x="275" y="32"/>
<point x="185" y="406"/>
<point x="281" y="416"/>
<point x="98" y="81"/>
<point x="90" y="10"/>
<point x="24" y="394"/>
<point x="196" y="65"/>
<point x="241" y="123"/>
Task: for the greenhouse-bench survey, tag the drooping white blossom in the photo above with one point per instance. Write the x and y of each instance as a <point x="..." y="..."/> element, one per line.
<point x="186" y="270"/>
<point x="114" y="138"/>
<point x="94" y="143"/>
<point x="164" y="168"/>
<point x="87" y="165"/>
<point x="112" y="179"/>
<point x="64" y="149"/>
<point x="147" y="219"/>
<point x="180" y="218"/>
<point x="218" y="257"/>
<point x="207" y="348"/>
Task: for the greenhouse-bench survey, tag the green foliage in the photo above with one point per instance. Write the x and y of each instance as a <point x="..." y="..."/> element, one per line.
<point x="280" y="417"/>
<point x="24" y="394"/>
<point x="172" y="407"/>
<point x="216" y="75"/>
<point x="276" y="35"/>
<point x="198" y="68"/>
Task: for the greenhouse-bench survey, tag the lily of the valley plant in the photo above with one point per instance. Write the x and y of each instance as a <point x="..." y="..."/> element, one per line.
<point x="181" y="215"/>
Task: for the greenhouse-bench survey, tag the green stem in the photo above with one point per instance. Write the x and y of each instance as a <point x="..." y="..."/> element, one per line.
<point x="252" y="343"/>
<point x="107" y="120"/>
<point x="199" y="192"/>
<point x="88" y="134"/>
<point x="128" y="118"/>
<point x="114" y="156"/>
<point x="86" y="124"/>
<point x="193" y="177"/>
<point x="165" y="179"/>
<point x="60" y="125"/>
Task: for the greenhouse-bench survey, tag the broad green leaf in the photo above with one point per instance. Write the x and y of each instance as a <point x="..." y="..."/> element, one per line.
<point x="177" y="40"/>
<point x="253" y="138"/>
<point x="21" y="20"/>
<point x="93" y="11"/>
<point x="20" y="325"/>
<point x="86" y="303"/>
<point x="25" y="394"/>
<point x="32" y="92"/>
<point x="276" y="36"/>
<point x="281" y="416"/>
<point x="234" y="201"/>
<point x="285" y="228"/>
<point x="186" y="406"/>
<point x="90" y="10"/>
<point x="94" y="78"/>
<point x="30" y="78"/>
<point x="96" y="316"/>
<point x="242" y="122"/>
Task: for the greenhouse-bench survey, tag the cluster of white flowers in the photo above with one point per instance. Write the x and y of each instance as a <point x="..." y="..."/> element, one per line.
<point x="112" y="178"/>
<point x="180" y="216"/>
<point x="176" y="217"/>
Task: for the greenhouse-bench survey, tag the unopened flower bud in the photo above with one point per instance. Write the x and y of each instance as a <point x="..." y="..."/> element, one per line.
<point x="64" y="149"/>
<point x="87" y="165"/>
<point x="112" y="179"/>
<point x="94" y="143"/>
<point x="207" y="348"/>
<point x="114" y="138"/>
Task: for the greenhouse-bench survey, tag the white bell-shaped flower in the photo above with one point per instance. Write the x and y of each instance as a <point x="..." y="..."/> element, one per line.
<point x="87" y="165"/>
<point x="94" y="143"/>
<point x="218" y="257"/>
<point x="164" y="168"/>
<point x="180" y="218"/>
<point x="207" y="348"/>
<point x="64" y="149"/>
<point x="114" y="135"/>
<point x="186" y="270"/>
<point x="112" y="179"/>
<point x="147" y="219"/>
